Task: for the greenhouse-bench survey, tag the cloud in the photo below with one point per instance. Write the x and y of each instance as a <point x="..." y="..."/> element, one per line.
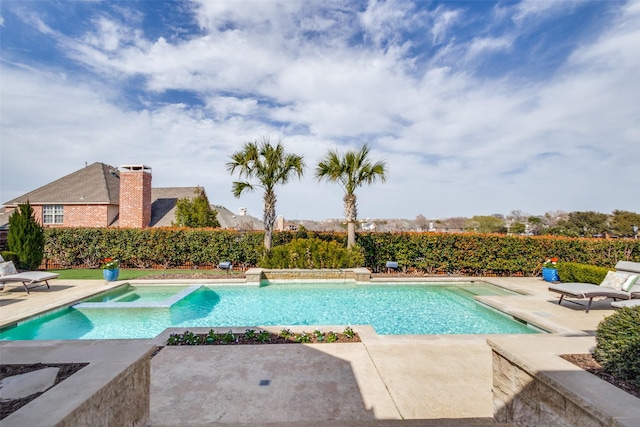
<point x="443" y="20"/>
<point x="319" y="77"/>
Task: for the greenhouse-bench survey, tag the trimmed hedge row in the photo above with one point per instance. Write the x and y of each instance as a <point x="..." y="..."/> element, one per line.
<point x="311" y="253"/>
<point x="581" y="273"/>
<point x="445" y="253"/>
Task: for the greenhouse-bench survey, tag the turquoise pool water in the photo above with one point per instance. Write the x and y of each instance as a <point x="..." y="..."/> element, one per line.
<point x="390" y="309"/>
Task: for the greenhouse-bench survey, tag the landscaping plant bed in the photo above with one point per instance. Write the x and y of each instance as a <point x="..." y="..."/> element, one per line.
<point x="253" y="337"/>
<point x="589" y="364"/>
<point x="10" y="406"/>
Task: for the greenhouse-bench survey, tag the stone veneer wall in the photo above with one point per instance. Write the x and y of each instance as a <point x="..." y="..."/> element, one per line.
<point x="539" y="400"/>
<point x="112" y="390"/>
<point x="125" y="401"/>
<point x="256" y="275"/>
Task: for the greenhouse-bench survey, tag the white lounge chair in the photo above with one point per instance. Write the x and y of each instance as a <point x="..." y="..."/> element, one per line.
<point x="28" y="278"/>
<point x="626" y="303"/>
<point x="591" y="291"/>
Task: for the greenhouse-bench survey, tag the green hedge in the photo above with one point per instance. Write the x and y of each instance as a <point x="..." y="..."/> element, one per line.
<point x="463" y="253"/>
<point x="312" y="253"/>
<point x="618" y="344"/>
<point x="582" y="273"/>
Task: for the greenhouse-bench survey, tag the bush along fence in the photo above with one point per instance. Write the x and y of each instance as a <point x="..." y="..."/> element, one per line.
<point x="430" y="253"/>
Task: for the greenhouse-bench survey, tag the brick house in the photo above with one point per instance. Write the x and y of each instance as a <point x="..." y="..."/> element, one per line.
<point x="100" y="195"/>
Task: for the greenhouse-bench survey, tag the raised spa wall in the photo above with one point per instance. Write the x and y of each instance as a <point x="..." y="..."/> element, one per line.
<point x="258" y="275"/>
<point x="534" y="386"/>
<point x="112" y="390"/>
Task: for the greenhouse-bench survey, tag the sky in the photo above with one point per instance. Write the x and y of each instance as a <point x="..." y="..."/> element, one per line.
<point x="476" y="107"/>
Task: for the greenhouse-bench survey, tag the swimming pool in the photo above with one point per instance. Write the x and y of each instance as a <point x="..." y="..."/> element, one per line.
<point x="145" y="311"/>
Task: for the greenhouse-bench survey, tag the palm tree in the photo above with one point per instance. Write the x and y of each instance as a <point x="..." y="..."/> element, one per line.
<point x="351" y="171"/>
<point x="270" y="166"/>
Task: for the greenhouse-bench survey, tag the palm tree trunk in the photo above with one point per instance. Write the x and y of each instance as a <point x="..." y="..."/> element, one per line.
<point x="351" y="215"/>
<point x="269" y="217"/>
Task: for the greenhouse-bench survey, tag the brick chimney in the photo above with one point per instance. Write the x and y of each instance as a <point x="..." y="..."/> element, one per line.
<point x="135" y="196"/>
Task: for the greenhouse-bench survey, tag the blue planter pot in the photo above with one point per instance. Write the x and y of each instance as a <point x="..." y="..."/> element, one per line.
<point x="550" y="274"/>
<point x="111" y="275"/>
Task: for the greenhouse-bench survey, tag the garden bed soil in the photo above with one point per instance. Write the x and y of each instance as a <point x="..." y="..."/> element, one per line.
<point x="589" y="364"/>
<point x="66" y="370"/>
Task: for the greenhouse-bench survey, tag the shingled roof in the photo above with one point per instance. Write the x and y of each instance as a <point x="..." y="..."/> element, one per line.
<point x="163" y="203"/>
<point x="97" y="183"/>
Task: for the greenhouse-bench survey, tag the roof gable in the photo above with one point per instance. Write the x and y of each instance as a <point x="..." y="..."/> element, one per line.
<point x="97" y="183"/>
<point x="163" y="203"/>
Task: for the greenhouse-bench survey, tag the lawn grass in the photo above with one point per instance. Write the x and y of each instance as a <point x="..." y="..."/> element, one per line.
<point x="128" y="274"/>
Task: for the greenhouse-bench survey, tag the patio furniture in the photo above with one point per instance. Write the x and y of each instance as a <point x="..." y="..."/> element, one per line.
<point x="626" y="303"/>
<point x="391" y="266"/>
<point x="226" y="265"/>
<point x="28" y="278"/>
<point x="591" y="291"/>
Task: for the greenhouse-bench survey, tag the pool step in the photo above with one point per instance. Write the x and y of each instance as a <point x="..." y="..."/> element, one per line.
<point x="440" y="422"/>
<point x="167" y="303"/>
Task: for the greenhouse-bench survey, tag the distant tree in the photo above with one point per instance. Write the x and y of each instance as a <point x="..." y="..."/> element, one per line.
<point x="517" y="215"/>
<point x="196" y="212"/>
<point x="580" y="224"/>
<point x="351" y="171"/>
<point x="536" y="225"/>
<point x="270" y="166"/>
<point x="622" y="223"/>
<point x="551" y="218"/>
<point x="422" y="222"/>
<point x="517" y="228"/>
<point x="485" y="224"/>
<point x="26" y="237"/>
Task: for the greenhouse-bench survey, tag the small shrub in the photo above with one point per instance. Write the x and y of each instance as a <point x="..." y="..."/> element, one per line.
<point x="582" y="273"/>
<point x="312" y="253"/>
<point x="303" y="337"/>
<point x="348" y="332"/>
<point x="228" y="338"/>
<point x="286" y="333"/>
<point x="26" y="237"/>
<point x="332" y="337"/>
<point x="618" y="344"/>
<point x="264" y="336"/>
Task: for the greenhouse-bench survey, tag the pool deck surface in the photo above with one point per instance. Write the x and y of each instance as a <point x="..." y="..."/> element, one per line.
<point x="421" y="379"/>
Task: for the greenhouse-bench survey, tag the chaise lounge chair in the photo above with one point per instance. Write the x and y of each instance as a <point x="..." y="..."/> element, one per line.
<point x="626" y="303"/>
<point x="9" y="274"/>
<point x="591" y="291"/>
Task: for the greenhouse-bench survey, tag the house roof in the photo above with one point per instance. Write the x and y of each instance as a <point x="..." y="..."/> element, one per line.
<point x="163" y="203"/>
<point x="228" y="219"/>
<point x="97" y="183"/>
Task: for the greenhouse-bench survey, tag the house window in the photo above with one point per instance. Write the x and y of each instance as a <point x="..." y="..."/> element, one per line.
<point x="53" y="214"/>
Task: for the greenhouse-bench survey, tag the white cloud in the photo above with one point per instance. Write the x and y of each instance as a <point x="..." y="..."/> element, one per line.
<point x="443" y="20"/>
<point x="455" y="143"/>
<point x="482" y="45"/>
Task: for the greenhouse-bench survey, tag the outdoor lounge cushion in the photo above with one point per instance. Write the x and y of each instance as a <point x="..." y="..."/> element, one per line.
<point x="614" y="279"/>
<point x="7" y="268"/>
<point x="630" y="282"/>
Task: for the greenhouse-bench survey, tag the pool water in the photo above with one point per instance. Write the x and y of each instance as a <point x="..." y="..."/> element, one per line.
<point x="389" y="309"/>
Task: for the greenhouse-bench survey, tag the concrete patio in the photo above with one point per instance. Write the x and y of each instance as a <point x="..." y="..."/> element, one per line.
<point x="421" y="379"/>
